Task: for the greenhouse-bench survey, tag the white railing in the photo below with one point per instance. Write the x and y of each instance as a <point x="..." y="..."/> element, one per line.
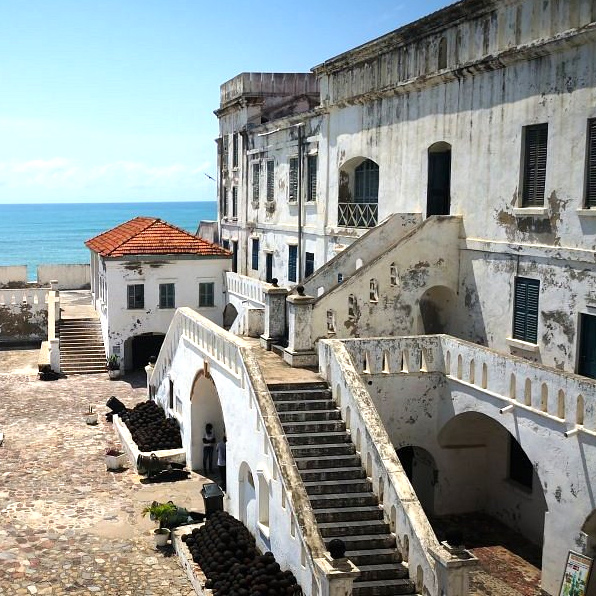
<point x="32" y="296"/>
<point x="246" y="288"/>
<point x="547" y="392"/>
<point x="231" y="353"/>
<point x="416" y="539"/>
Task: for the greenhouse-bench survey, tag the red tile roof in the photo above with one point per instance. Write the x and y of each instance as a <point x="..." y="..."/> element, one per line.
<point x="151" y="236"/>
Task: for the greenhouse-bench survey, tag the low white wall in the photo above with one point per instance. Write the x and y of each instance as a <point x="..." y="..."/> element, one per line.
<point x="70" y="277"/>
<point x="10" y="273"/>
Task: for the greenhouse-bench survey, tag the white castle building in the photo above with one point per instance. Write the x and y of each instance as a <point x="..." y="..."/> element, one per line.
<point x="434" y="192"/>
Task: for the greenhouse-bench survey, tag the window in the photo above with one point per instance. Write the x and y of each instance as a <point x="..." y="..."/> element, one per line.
<point x="535" y="143"/>
<point x="225" y="244"/>
<point x="235" y="150"/>
<point x="309" y="264"/>
<point x="256" y="179"/>
<point x="270" y="180"/>
<point x="330" y="321"/>
<point x="374" y="291"/>
<point x="136" y="296"/>
<point x="520" y="467"/>
<point x="293" y="180"/>
<point x="206" y="293"/>
<point x="393" y="274"/>
<point x="255" y="254"/>
<point x="226" y="199"/>
<point x="166" y="296"/>
<point x="226" y="150"/>
<point x="234" y="202"/>
<point x="591" y="173"/>
<point x="292" y="261"/>
<point x="442" y="63"/>
<point x="366" y="182"/>
<point x="525" y="309"/>
<point x="352" y="306"/>
<point x="311" y="170"/>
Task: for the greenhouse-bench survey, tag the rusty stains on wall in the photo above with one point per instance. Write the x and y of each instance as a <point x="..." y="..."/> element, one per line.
<point x="558" y="320"/>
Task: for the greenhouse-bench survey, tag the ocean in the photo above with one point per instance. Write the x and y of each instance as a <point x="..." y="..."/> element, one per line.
<point x="55" y="233"/>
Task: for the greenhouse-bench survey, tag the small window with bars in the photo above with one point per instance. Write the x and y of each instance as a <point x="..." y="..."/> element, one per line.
<point x="292" y="262"/>
<point x="270" y="180"/>
<point x="293" y="180"/>
<point x="525" y="309"/>
<point x="534" y="173"/>
<point x="255" y="254"/>
<point x="591" y="166"/>
<point x="167" y="296"/>
<point x="256" y="182"/>
<point x="136" y="296"/>
<point x="235" y="150"/>
<point x="311" y="170"/>
<point x="206" y="294"/>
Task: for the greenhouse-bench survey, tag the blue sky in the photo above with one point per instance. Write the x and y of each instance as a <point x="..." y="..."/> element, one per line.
<point x="112" y="100"/>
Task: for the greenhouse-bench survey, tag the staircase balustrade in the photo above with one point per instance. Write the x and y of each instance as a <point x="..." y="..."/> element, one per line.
<point x="246" y="288"/>
<point x="357" y="215"/>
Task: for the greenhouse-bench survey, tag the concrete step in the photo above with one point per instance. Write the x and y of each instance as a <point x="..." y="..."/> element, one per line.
<point x="328" y="487"/>
<point x="327" y="461"/>
<point x="314" y="427"/>
<point x="307" y="405"/>
<point x="299" y="394"/>
<point x="319" y="439"/>
<point x="383" y="571"/>
<point x="308" y="386"/>
<point x="393" y="587"/>
<point x="335" y="501"/>
<point x="354" y="528"/>
<point x="349" y="514"/>
<point x="365" y="541"/>
<point x="323" y="474"/>
<point x="309" y="416"/>
<point x="375" y="556"/>
<point x="328" y="449"/>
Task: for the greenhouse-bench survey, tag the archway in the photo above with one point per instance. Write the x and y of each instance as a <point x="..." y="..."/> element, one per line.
<point x="247" y="497"/>
<point x="488" y="471"/>
<point x="589" y="529"/>
<point x="229" y="316"/>
<point x="205" y="407"/>
<point x="421" y="470"/>
<point x="438" y="198"/>
<point x="437" y="306"/>
<point x="358" y="194"/>
<point x="140" y="348"/>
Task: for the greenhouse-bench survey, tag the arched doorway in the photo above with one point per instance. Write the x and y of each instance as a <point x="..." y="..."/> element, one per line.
<point x="141" y="348"/>
<point x="205" y="408"/>
<point x="421" y="470"/>
<point x="229" y="316"/>
<point x="358" y="199"/>
<point x="247" y="497"/>
<point x="437" y="306"/>
<point x="438" y="199"/>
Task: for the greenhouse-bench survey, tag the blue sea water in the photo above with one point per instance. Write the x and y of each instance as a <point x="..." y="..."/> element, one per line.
<point x="55" y="233"/>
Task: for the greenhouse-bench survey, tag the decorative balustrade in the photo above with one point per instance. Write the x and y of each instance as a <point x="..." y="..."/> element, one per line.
<point x="246" y="288"/>
<point x="358" y="215"/>
<point x="32" y="296"/>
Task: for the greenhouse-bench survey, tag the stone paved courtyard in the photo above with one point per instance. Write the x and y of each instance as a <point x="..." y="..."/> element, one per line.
<point x="68" y="526"/>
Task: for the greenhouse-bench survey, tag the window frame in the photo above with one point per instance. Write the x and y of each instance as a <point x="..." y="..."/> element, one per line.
<point x="255" y="248"/>
<point x="292" y="263"/>
<point x="234" y="202"/>
<point x="270" y="169"/>
<point x="525" y="314"/>
<point x="309" y="264"/>
<point x="312" y="164"/>
<point x="235" y="147"/>
<point x="165" y="299"/>
<point x="206" y="294"/>
<point x="534" y="165"/>
<point x="134" y="306"/>
<point x="590" y="187"/>
<point x="293" y="168"/>
<point x="256" y="182"/>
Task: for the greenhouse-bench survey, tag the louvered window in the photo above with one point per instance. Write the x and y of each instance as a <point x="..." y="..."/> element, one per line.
<point x="136" y="296"/>
<point x="591" y="175"/>
<point x="293" y="180"/>
<point x="536" y="138"/>
<point x="167" y="295"/>
<point x="255" y="254"/>
<point x="292" y="262"/>
<point x="270" y="180"/>
<point x="525" y="309"/>
<point x="309" y="264"/>
<point x="311" y="169"/>
<point x="206" y="294"/>
<point x="235" y="150"/>
<point x="256" y="182"/>
<point x="234" y="202"/>
<point x="226" y="152"/>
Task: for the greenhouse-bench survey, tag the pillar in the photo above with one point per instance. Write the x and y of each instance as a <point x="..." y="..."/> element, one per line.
<point x="275" y="316"/>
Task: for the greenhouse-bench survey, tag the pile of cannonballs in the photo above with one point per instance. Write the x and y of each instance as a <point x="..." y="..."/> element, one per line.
<point x="226" y="552"/>
<point x="150" y="429"/>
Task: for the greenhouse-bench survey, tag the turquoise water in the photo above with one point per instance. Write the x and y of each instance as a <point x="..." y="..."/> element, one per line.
<point x="55" y="233"/>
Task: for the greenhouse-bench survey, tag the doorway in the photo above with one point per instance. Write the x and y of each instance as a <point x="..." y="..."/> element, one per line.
<point x="268" y="267"/>
<point x="439" y="180"/>
<point x="587" y="346"/>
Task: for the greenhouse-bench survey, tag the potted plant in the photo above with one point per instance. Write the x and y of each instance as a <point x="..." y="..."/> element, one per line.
<point x="91" y="416"/>
<point x="162" y="513"/>
<point x="113" y="366"/>
<point x="115" y="458"/>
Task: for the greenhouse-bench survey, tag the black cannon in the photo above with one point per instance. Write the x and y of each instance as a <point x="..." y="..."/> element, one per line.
<point x="151" y="466"/>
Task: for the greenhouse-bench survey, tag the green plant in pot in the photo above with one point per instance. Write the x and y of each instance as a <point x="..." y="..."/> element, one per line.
<point x="113" y="366"/>
<point x="162" y="513"/>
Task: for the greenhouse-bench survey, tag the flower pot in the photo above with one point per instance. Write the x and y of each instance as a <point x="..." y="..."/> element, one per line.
<point x="114" y="373"/>
<point x="161" y="536"/>
<point x="91" y="418"/>
<point x="115" y="462"/>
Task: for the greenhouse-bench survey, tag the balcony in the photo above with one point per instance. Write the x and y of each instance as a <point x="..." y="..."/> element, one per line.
<point x="358" y="215"/>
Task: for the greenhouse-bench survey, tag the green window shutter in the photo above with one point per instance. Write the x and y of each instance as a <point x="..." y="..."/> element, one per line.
<point x="591" y="174"/>
<point x="525" y="309"/>
<point x="535" y="165"/>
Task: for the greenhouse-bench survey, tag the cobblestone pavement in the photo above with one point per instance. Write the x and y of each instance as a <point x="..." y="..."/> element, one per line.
<point x="68" y="526"/>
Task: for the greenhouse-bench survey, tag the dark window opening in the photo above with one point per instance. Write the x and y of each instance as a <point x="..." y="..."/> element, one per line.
<point x="525" y="309"/>
<point x="309" y="264"/>
<point x="520" y="467"/>
<point x="136" y="296"/>
<point x="167" y="297"/>
<point x="292" y="262"/>
<point x="206" y="294"/>
<point x="255" y="254"/>
<point x="535" y="146"/>
<point x="591" y="173"/>
<point x="311" y="169"/>
<point x="293" y="180"/>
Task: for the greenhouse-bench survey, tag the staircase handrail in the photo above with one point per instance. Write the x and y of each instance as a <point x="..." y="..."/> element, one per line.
<point x="248" y="288"/>
<point x="234" y="354"/>
<point x="392" y="228"/>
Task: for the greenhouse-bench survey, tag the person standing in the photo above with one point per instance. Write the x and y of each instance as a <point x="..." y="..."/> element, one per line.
<point x="221" y="462"/>
<point x="208" y="446"/>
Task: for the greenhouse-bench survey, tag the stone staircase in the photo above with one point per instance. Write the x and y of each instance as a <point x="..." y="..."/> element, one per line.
<point x="341" y="496"/>
<point x="81" y="346"/>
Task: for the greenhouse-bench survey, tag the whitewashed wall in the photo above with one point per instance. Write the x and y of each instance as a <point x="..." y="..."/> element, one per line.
<point x="17" y="273"/>
<point x="70" y="277"/>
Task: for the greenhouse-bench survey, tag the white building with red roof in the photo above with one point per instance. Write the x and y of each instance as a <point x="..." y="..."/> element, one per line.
<point x="141" y="271"/>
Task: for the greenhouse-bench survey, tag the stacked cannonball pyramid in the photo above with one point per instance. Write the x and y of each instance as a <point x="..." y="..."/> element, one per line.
<point x="150" y="429"/>
<point x="226" y="552"/>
